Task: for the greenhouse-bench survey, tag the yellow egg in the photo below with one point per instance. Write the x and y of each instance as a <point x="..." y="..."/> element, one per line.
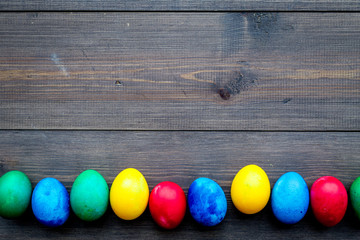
<point x="129" y="194"/>
<point x="250" y="189"/>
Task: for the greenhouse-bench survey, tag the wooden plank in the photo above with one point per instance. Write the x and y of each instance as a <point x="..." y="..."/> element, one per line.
<point x="180" y="5"/>
<point x="181" y="157"/>
<point x="180" y="71"/>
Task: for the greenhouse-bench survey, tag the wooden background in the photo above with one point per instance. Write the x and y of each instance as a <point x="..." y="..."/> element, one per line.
<point x="180" y="90"/>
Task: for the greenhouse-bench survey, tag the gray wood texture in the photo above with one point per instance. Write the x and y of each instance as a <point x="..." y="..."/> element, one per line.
<point x="181" y="157"/>
<point x="180" y="90"/>
<point x="180" y="71"/>
<point x="180" y="5"/>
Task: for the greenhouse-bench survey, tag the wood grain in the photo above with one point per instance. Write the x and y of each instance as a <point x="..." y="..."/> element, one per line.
<point x="281" y="78"/>
<point x="181" y="157"/>
<point x="180" y="5"/>
<point x="180" y="71"/>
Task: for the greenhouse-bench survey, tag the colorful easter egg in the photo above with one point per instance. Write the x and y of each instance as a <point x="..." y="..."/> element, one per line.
<point x="89" y="196"/>
<point x="355" y="196"/>
<point x="290" y="198"/>
<point x="250" y="189"/>
<point x="207" y="202"/>
<point x="50" y="202"/>
<point x="167" y="204"/>
<point x="15" y="194"/>
<point x="329" y="200"/>
<point x="129" y="194"/>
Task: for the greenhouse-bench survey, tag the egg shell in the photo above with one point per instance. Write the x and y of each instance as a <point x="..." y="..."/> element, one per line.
<point x="355" y="196"/>
<point x="89" y="196"/>
<point x="167" y="204"/>
<point x="15" y="194"/>
<point x="207" y="202"/>
<point x="250" y="189"/>
<point x="50" y="202"/>
<point x="329" y="200"/>
<point x="129" y="194"/>
<point x="290" y="198"/>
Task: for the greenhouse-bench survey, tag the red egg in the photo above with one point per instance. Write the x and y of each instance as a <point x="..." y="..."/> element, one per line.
<point x="329" y="200"/>
<point x="167" y="204"/>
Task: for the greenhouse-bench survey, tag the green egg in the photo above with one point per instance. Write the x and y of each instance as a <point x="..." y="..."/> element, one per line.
<point x="89" y="196"/>
<point x="355" y="196"/>
<point x="15" y="194"/>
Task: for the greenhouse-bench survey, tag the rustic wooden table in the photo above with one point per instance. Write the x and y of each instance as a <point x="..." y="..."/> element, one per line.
<point x="180" y="90"/>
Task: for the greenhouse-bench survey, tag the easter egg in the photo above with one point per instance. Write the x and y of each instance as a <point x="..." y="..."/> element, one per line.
<point x="15" y="194"/>
<point x="329" y="200"/>
<point x="89" y="196"/>
<point x="250" y="189"/>
<point x="290" y="198"/>
<point x="129" y="194"/>
<point x="50" y="202"/>
<point x="355" y="196"/>
<point x="167" y="204"/>
<point x="207" y="202"/>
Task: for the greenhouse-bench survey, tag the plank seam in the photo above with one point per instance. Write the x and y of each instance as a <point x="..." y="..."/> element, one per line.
<point x="179" y="11"/>
<point x="171" y="130"/>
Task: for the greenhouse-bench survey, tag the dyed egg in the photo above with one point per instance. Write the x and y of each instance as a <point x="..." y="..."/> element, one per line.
<point x="129" y="194"/>
<point x="250" y="189"/>
<point x="167" y="204"/>
<point x="290" y="198"/>
<point x="89" y="196"/>
<point x="50" y="202"/>
<point x="329" y="200"/>
<point x="207" y="202"/>
<point x="355" y="196"/>
<point x="15" y="194"/>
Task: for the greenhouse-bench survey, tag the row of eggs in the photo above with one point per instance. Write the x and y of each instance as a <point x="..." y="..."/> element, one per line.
<point x="129" y="196"/>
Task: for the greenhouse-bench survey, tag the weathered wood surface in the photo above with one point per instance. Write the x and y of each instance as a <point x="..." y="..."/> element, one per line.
<point x="180" y="71"/>
<point x="180" y="5"/>
<point x="275" y="70"/>
<point x="181" y="157"/>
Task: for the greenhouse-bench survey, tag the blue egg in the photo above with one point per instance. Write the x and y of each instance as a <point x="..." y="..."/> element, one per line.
<point x="207" y="202"/>
<point x="290" y="198"/>
<point x="50" y="202"/>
